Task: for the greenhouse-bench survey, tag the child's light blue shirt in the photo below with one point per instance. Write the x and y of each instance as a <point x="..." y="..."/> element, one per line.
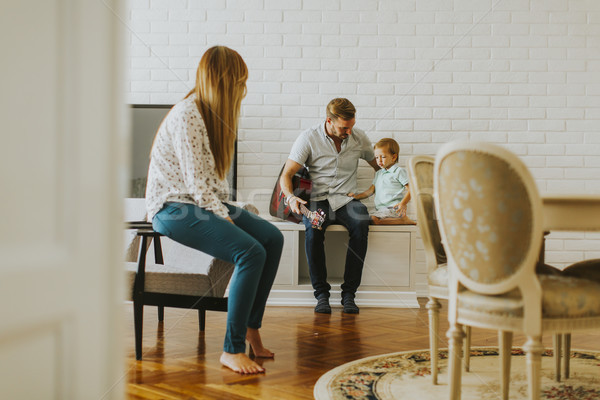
<point x="390" y="186"/>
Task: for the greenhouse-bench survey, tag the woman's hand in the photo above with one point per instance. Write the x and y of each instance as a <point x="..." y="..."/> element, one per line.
<point x="400" y="209"/>
<point x="353" y="195"/>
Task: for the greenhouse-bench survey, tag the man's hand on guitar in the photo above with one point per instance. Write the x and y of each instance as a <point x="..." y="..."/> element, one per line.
<point x="297" y="205"/>
<point x="294" y="203"/>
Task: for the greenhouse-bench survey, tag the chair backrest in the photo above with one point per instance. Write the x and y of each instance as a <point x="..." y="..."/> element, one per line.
<point x="420" y="170"/>
<point x="489" y="214"/>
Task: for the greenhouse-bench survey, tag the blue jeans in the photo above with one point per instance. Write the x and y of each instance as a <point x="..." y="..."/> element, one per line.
<point x="355" y="217"/>
<point x="252" y="244"/>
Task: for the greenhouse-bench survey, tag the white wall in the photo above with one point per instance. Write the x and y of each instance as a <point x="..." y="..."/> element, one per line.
<point x="524" y="74"/>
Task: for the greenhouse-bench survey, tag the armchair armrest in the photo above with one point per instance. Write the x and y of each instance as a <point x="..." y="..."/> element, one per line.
<point x="140" y="225"/>
<point x="147" y="233"/>
<point x="145" y="230"/>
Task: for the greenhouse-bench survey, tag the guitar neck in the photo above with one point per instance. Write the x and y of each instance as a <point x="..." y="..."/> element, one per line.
<point x="305" y="211"/>
<point x="316" y="218"/>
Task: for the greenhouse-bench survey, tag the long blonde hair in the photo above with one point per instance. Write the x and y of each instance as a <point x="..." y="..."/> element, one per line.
<point x="220" y="87"/>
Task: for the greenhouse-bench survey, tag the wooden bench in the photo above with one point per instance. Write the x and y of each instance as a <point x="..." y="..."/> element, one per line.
<point x="388" y="278"/>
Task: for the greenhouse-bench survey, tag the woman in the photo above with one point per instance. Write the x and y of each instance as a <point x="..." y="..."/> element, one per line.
<point x="186" y="193"/>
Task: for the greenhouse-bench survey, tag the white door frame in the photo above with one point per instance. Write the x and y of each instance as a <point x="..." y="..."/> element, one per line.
<point x="62" y="177"/>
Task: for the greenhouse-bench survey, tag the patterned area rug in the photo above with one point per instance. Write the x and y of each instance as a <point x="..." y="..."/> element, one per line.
<point x="406" y="375"/>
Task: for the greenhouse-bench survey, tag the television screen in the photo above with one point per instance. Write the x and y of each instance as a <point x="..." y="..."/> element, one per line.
<point x="145" y="120"/>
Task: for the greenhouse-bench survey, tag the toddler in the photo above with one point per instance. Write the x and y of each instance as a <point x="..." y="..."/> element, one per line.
<point x="390" y="187"/>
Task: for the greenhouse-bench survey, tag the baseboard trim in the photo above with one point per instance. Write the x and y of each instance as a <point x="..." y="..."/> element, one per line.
<point x="388" y="299"/>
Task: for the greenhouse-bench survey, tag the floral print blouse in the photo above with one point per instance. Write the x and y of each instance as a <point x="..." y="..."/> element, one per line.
<point x="182" y="167"/>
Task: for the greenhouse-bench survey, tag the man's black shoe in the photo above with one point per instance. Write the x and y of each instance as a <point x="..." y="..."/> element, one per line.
<point x="323" y="306"/>
<point x="350" y="306"/>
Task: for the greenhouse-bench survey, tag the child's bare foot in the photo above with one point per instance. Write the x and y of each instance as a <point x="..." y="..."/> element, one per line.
<point x="240" y="363"/>
<point x="256" y="346"/>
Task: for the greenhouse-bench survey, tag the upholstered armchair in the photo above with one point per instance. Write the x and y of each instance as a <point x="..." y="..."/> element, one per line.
<point x="164" y="273"/>
<point x="489" y="215"/>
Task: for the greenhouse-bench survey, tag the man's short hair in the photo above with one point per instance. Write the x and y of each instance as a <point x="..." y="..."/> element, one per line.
<point x="341" y="108"/>
<point x="389" y="144"/>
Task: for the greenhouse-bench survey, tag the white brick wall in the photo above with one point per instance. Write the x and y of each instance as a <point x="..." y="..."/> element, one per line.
<point x="525" y="74"/>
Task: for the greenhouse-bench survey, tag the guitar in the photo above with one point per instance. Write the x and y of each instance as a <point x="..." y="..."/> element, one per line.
<point x="302" y="186"/>
<point x="316" y="218"/>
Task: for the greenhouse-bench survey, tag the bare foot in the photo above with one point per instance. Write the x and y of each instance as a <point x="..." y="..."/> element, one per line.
<point x="256" y="346"/>
<point x="240" y="363"/>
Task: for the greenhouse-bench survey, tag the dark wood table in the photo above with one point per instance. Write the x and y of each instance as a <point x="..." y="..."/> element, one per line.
<point x="574" y="212"/>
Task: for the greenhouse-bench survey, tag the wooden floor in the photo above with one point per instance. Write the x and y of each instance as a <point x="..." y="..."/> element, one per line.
<point x="179" y="362"/>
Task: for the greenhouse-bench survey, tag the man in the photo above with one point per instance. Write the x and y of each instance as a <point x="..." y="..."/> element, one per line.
<point x="331" y="151"/>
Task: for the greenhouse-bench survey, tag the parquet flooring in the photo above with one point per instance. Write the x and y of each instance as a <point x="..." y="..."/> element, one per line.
<point x="179" y="362"/>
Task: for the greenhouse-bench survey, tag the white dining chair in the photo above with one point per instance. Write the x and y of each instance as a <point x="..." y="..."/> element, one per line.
<point x="489" y="215"/>
<point x="420" y="170"/>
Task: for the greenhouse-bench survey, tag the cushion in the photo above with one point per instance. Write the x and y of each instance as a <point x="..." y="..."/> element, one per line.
<point x="439" y="277"/>
<point x="562" y="297"/>
<point x="210" y="274"/>
<point x="172" y="280"/>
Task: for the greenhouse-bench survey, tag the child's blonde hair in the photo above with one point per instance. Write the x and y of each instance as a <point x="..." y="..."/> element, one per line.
<point x="389" y="144"/>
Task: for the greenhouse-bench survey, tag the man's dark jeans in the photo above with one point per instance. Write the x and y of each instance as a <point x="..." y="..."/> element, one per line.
<point x="355" y="217"/>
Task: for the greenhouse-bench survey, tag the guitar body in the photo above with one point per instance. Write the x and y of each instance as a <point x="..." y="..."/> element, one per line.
<point x="302" y="186"/>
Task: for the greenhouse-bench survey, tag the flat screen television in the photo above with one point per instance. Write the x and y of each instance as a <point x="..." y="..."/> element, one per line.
<point x="145" y="120"/>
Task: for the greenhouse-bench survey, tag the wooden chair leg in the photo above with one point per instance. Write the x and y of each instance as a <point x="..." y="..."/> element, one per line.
<point x="202" y="319"/>
<point x="161" y="313"/>
<point x="533" y="350"/>
<point x="567" y="354"/>
<point x="505" y="347"/>
<point x="138" y="322"/>
<point x="557" y="344"/>
<point x="467" y="348"/>
<point x="433" y="306"/>
<point x="455" y="336"/>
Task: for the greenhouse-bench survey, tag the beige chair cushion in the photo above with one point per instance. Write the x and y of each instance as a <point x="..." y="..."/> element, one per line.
<point x="563" y="297"/>
<point x="172" y="280"/>
<point x="192" y="261"/>
<point x="439" y="276"/>
<point x="184" y="269"/>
